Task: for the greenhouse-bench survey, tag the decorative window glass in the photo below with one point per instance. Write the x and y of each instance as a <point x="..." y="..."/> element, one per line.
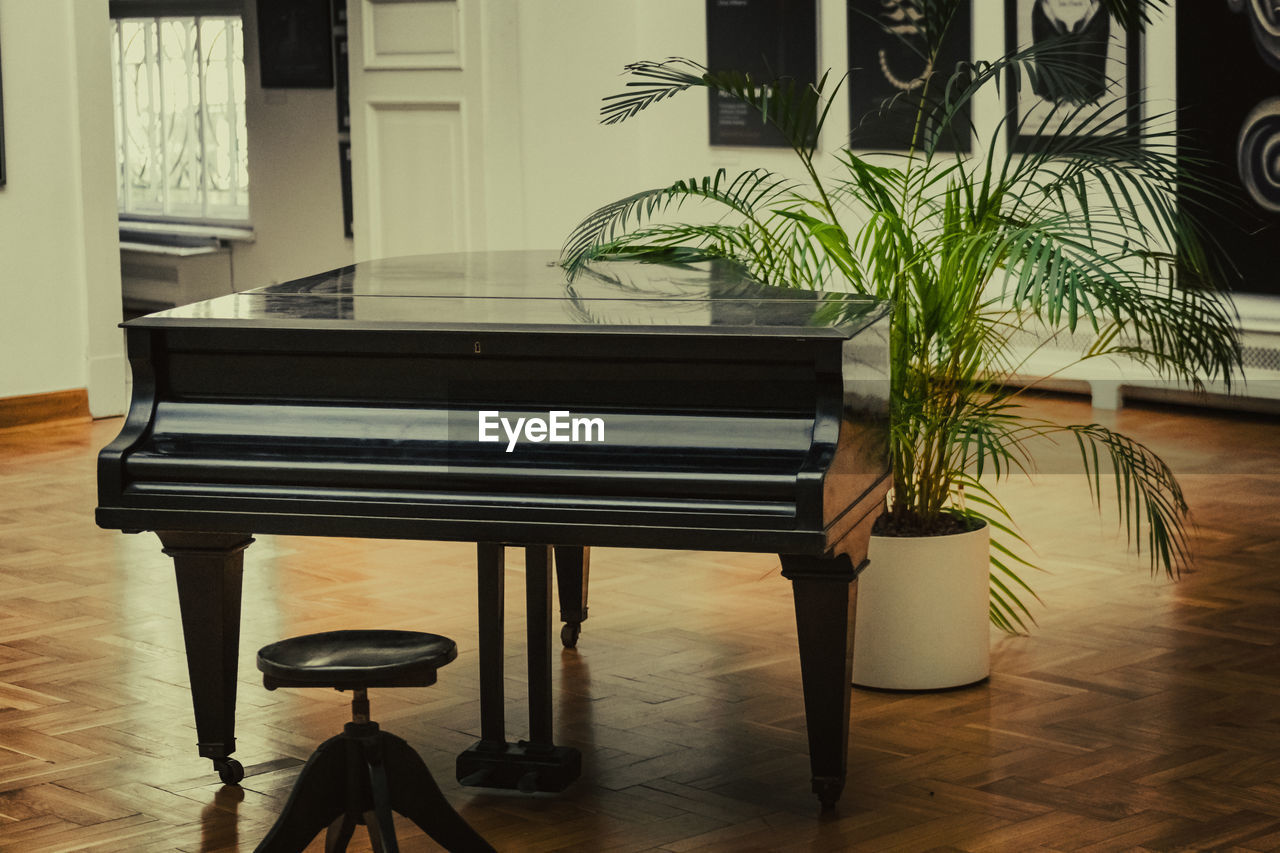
<point x="181" y="148"/>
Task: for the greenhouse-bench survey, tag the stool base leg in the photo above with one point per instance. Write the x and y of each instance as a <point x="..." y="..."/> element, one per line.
<point x="415" y="794"/>
<point x="382" y="831"/>
<point x="362" y="776"/>
<point x="339" y="833"/>
<point x="317" y="799"/>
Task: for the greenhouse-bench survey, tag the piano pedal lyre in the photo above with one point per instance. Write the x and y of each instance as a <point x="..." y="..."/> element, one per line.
<point x="536" y="764"/>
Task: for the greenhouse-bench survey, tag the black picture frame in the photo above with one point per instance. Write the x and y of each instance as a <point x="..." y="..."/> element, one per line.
<point x="295" y="44"/>
<point x="342" y="82"/>
<point x="1037" y="116"/>
<point x="3" y="174"/>
<point x="883" y="65"/>
<point x="344" y="172"/>
<point x="768" y="39"/>
<point x="1228" y="81"/>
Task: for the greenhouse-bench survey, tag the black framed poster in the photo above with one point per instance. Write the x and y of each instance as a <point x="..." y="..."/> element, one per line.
<point x="342" y="73"/>
<point x="768" y="39"/>
<point x="889" y="71"/>
<point x="342" y="87"/>
<point x="1229" y="119"/>
<point x="2" y="172"/>
<point x="1107" y="71"/>
<point x="344" y="167"/>
<point x="295" y="44"/>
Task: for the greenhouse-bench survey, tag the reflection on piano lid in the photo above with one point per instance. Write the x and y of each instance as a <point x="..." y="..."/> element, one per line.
<point x="530" y="288"/>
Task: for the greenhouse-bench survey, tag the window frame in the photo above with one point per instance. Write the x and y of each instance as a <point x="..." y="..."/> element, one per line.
<point x="234" y="218"/>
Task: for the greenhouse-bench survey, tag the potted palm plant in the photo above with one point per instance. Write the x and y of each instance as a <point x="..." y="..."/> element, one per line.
<point x="1079" y="234"/>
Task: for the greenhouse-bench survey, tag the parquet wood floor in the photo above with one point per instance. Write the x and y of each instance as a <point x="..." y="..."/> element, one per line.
<point x="1141" y="714"/>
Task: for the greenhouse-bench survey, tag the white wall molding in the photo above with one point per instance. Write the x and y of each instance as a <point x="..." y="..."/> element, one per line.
<point x="417" y="178"/>
<point x="413" y="35"/>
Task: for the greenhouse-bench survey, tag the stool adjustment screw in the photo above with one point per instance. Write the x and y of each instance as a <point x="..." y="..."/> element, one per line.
<point x="360" y="705"/>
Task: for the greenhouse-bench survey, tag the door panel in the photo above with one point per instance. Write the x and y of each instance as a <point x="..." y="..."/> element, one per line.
<point x="417" y="141"/>
<point x="412" y="35"/>
<point x="418" y="199"/>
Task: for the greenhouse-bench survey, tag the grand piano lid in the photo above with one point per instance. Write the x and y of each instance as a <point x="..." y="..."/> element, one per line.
<point x="528" y="290"/>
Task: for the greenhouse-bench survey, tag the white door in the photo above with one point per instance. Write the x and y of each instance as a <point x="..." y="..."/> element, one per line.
<point x="417" y="128"/>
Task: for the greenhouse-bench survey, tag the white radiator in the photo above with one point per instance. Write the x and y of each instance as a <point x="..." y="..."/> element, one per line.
<point x="1110" y="381"/>
<point x="157" y="277"/>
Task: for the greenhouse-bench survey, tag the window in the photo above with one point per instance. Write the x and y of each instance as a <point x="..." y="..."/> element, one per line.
<point x="181" y="149"/>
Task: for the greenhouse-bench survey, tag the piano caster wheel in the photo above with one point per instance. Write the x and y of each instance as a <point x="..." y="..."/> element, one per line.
<point x="229" y="770"/>
<point x="828" y="791"/>
<point x="569" y="633"/>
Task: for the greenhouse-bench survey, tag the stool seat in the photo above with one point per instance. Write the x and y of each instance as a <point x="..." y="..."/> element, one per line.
<point x="364" y="774"/>
<point x="356" y="658"/>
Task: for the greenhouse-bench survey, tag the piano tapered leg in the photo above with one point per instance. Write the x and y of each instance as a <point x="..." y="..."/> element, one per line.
<point x="573" y="567"/>
<point x="825" y="593"/>
<point x="209" y="567"/>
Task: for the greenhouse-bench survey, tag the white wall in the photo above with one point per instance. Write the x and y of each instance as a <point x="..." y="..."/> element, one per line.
<point x="295" y="190"/>
<point x="59" y="246"/>
<point x="548" y="161"/>
<point x="570" y="54"/>
<point x="59" y="268"/>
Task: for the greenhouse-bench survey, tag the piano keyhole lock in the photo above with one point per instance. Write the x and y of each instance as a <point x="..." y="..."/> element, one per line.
<point x="477" y="347"/>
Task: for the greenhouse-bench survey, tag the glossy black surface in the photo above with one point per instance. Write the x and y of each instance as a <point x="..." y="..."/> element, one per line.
<point x="356" y="658"/>
<point x="525" y="290"/>
<point x="734" y="415"/>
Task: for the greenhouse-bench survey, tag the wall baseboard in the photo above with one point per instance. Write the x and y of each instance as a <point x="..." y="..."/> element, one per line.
<point x="32" y="409"/>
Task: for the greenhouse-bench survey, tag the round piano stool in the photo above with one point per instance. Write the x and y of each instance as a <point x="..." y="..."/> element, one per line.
<point x="364" y="774"/>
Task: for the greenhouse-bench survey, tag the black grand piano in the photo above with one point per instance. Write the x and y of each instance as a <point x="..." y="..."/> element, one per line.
<point x="483" y="397"/>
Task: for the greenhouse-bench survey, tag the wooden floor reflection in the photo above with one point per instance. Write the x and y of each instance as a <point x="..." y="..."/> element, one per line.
<point x="1141" y="713"/>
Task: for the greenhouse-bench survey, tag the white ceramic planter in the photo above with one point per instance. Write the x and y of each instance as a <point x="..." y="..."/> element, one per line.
<point x="922" y="620"/>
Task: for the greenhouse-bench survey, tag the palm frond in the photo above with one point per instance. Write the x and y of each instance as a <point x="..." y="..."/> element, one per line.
<point x="1149" y="499"/>
<point x="1061" y="270"/>
<point x="747" y="195"/>
<point x="653" y="82"/>
<point x="796" y="108"/>
<point x="1008" y="611"/>
<point x="1135" y="14"/>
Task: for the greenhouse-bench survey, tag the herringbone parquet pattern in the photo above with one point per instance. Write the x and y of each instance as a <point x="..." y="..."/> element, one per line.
<point x="1141" y="714"/>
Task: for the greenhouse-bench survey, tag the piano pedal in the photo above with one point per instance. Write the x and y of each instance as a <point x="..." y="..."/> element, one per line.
<point x="522" y="766"/>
